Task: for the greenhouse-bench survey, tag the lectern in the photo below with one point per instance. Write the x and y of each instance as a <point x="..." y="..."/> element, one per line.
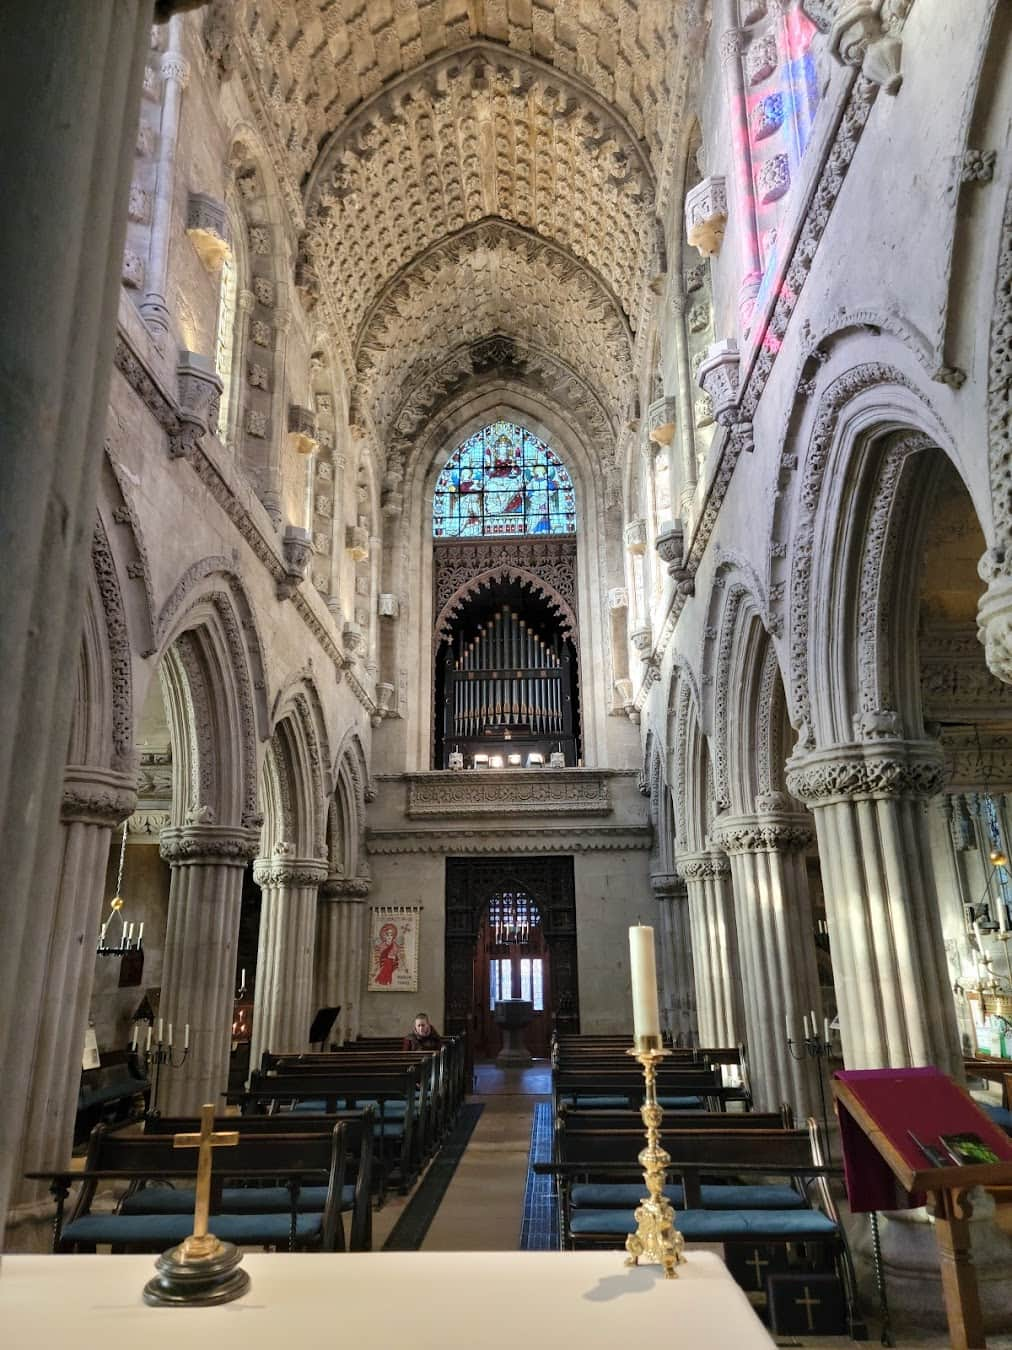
<point x="888" y="1167"/>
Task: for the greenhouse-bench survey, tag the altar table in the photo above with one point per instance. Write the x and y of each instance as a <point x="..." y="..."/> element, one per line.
<point x="376" y="1300"/>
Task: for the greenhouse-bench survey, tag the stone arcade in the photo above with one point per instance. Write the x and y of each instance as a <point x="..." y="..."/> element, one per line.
<point x="534" y="465"/>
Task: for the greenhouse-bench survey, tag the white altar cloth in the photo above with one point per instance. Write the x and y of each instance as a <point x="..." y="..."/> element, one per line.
<point x="385" y="1300"/>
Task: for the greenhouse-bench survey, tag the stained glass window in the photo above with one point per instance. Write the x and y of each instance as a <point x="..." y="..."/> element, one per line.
<point x="503" y="481"/>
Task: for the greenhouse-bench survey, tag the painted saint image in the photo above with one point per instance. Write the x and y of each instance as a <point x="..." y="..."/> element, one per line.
<point x="387" y="953"/>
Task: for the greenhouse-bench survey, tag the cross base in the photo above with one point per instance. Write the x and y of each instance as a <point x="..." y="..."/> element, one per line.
<point x="183" y="1280"/>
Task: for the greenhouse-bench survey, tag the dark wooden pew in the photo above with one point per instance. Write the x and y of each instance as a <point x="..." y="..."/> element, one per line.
<point x="394" y="1095"/>
<point x="116" y="1091"/>
<point x="678" y="1087"/>
<point x="575" y="1119"/>
<point x="251" y="1219"/>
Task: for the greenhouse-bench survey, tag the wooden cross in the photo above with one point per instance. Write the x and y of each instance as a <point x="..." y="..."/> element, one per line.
<point x="757" y="1263"/>
<point x="808" y="1303"/>
<point x="201" y="1243"/>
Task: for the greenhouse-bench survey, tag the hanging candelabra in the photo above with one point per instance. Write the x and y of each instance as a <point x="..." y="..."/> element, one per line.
<point x="125" y="941"/>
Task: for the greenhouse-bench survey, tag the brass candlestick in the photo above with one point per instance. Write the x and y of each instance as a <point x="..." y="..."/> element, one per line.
<point x="656" y="1241"/>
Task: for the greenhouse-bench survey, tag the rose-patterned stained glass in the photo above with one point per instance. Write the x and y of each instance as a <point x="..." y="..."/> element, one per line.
<point x="503" y="481"/>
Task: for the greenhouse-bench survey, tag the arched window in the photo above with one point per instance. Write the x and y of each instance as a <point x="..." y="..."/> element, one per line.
<point x="224" y="339"/>
<point x="503" y="481"/>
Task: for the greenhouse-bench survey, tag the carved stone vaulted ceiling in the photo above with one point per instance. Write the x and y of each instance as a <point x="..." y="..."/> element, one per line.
<point x="478" y="181"/>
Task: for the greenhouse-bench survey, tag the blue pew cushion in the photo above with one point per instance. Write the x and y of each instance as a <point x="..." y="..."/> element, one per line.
<point x="710" y="1225"/>
<point x="234" y="1200"/>
<point x="253" y="1230"/>
<point x="622" y="1195"/>
<point x="1000" y="1115"/>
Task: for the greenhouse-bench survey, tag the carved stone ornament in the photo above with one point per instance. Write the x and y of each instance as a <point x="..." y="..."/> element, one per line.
<point x="668" y="886"/>
<point x="670" y="546"/>
<point x="288" y="871"/>
<point x="356" y="541"/>
<point x="345" y="888"/>
<point x="97" y="796"/>
<point x="297" y="549"/>
<point x="642" y="638"/>
<point x="207" y="226"/>
<point x="618" y="598"/>
<point x="388" y="606"/>
<point x="132" y="271"/>
<point x="302" y="430"/>
<point x="220" y="845"/>
<point x="199" y="387"/>
<point x="661" y="421"/>
<point x="706" y="215"/>
<point x="582" y="792"/>
<point x="636" y="536"/>
<point x="856" y="771"/>
<point x="354" y="639"/>
<point x="779" y="832"/>
<point x="702" y="866"/>
<point x="307" y="284"/>
<point x="858" y="38"/>
<point x="718" y="377"/>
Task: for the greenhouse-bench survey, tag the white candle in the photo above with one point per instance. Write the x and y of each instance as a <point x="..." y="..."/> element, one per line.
<point x="140" y="935"/>
<point x="787" y="1026"/>
<point x="159" y="1031"/>
<point x="643" y="967"/>
<point x="148" y="1043"/>
<point x="129" y="933"/>
<point x="242" y="979"/>
<point x="1002" y="915"/>
<point x="186" y="1037"/>
<point x="825" y="1029"/>
<point x="170" y="1035"/>
<point x="804" y="1022"/>
<point x="133" y="1037"/>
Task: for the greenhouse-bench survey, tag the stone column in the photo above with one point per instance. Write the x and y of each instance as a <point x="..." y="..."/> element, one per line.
<point x="198" y="969"/>
<point x="681" y="501"/>
<point x="175" y="72"/>
<point x="94" y="802"/>
<point x="714" y="947"/>
<point x="892" y="985"/>
<point x="731" y="47"/>
<point x="678" y="994"/>
<point x="285" y="1004"/>
<point x="340" y="951"/>
<point x="271" y="489"/>
<point x="70" y="91"/>
<point x="334" y="602"/>
<point x="776" y="948"/>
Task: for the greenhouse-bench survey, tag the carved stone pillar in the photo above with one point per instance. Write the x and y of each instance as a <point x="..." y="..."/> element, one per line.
<point x="340" y="951"/>
<point x="994" y="616"/>
<point x="284" y="993"/>
<point x="780" y="977"/>
<point x="175" y="72"/>
<point x="714" y="948"/>
<point x="74" y="144"/>
<point x="334" y="603"/>
<point x="270" y="493"/>
<point x="94" y="802"/>
<point x="198" y="968"/>
<point x="889" y="966"/>
<point x="683" y="493"/>
<point x="678" y="991"/>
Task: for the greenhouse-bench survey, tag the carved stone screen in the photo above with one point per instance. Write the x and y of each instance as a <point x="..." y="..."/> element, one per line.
<point x="503" y="481"/>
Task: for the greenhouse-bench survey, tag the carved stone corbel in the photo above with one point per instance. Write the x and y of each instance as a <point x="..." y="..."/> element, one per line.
<point x="859" y="38"/>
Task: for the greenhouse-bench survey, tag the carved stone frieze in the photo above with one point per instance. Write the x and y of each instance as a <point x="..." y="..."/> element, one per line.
<point x="196" y="844"/>
<point x="345" y="888"/>
<point x="284" y="871"/>
<point x="96" y="796"/>
<point x="703" y="866"/>
<point x="517" y="792"/>
<point x="767" y="832"/>
<point x="879" y="769"/>
<point x="668" y="886"/>
<point x="528" y="840"/>
<point x="706" y="215"/>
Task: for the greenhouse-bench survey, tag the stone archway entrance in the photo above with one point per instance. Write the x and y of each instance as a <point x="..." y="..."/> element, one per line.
<point x="475" y="888"/>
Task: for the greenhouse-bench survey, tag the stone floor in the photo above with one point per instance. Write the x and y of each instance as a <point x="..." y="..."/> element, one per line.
<point x="483" y="1207"/>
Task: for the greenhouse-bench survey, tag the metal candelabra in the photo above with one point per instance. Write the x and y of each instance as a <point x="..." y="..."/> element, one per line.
<point x="814" y="1047"/>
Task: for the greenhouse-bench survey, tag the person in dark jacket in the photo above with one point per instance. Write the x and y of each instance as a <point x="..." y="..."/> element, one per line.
<point x="424" y="1036"/>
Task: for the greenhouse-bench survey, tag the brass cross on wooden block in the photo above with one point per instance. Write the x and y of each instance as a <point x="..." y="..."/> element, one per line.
<point x="201" y="1243"/>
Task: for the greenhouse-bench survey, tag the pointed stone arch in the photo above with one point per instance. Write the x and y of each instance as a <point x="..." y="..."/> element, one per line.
<point x="483" y="581"/>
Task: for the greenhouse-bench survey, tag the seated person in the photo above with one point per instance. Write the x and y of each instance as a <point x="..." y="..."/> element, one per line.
<point x="424" y="1036"/>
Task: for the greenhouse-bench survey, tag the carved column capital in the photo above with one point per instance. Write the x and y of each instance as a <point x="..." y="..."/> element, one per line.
<point x="766" y="832"/>
<point x="885" y="768"/>
<point x="97" y="796"/>
<point x="668" y="886"/>
<point x="285" y="871"/>
<point x="858" y="38"/>
<point x="175" y="66"/>
<point x="994" y="615"/>
<point x="224" y="845"/>
<point x="702" y="866"/>
<point x="345" y="888"/>
<point x="246" y="300"/>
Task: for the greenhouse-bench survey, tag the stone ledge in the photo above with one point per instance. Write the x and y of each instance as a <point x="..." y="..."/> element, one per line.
<point x="579" y="839"/>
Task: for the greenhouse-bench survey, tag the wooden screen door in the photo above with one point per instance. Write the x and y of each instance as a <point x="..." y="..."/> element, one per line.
<point x="512" y="961"/>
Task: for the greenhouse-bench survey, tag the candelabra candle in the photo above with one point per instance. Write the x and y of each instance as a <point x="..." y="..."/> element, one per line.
<point x="811" y="1047"/>
<point x="656" y="1240"/>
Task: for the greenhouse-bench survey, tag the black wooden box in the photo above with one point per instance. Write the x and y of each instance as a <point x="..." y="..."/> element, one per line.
<point x="806" y="1303"/>
<point x="752" y="1263"/>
